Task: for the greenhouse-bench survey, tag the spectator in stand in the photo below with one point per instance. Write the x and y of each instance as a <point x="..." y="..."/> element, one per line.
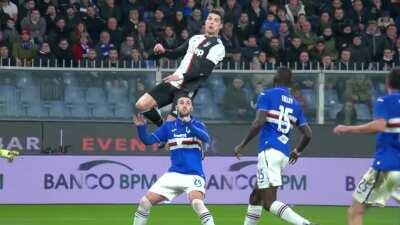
<point x="348" y="114"/>
<point x="169" y="39"/>
<point x="131" y="25"/>
<point x="72" y="18"/>
<point x="318" y="51"/>
<point x="270" y="23"/>
<point x="359" y="52"/>
<point x="296" y="47"/>
<point x="327" y="62"/>
<point x="61" y="32"/>
<point x="24" y="49"/>
<point x="179" y="22"/>
<point x="284" y="35"/>
<point x="80" y="50"/>
<point x="116" y="35"/>
<point x="323" y="22"/>
<point x="275" y="51"/>
<point x="110" y="9"/>
<point x="229" y="39"/>
<point x="375" y="40"/>
<point x="251" y="49"/>
<point x="24" y="11"/>
<point x="188" y="8"/>
<point x="232" y="11"/>
<point x="345" y="39"/>
<point x="145" y="40"/>
<point x="92" y="61"/>
<point x="136" y="60"/>
<point x="50" y="16"/>
<point x="63" y="53"/>
<point x="128" y="5"/>
<point x="45" y="56"/>
<point x="113" y="59"/>
<point x="10" y="33"/>
<point x="35" y="24"/>
<point x="385" y="20"/>
<point x="5" y="58"/>
<point x="194" y="22"/>
<point x="359" y="15"/>
<point x="391" y="36"/>
<point x="388" y="61"/>
<point x="339" y="21"/>
<point x="183" y="36"/>
<point x="304" y="63"/>
<point x="256" y="14"/>
<point x="169" y="7"/>
<point x="104" y="45"/>
<point x="94" y="23"/>
<point x="157" y="25"/>
<point x="359" y="90"/>
<point x="43" y="5"/>
<point x="9" y="8"/>
<point x="243" y="28"/>
<point x="293" y="9"/>
<point x="330" y="42"/>
<point x="79" y="31"/>
<point x="376" y="9"/>
<point x="127" y="46"/>
<point x="235" y="101"/>
<point x="397" y="52"/>
<point x="345" y="60"/>
<point x="308" y="37"/>
<point x="259" y="62"/>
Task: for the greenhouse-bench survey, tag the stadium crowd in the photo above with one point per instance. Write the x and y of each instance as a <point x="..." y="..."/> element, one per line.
<point x="257" y="34"/>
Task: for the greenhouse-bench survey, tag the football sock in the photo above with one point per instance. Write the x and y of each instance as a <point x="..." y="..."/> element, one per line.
<point x="286" y="213"/>
<point x="142" y="212"/>
<point x="154" y="116"/>
<point x="253" y="214"/>
<point x="201" y="210"/>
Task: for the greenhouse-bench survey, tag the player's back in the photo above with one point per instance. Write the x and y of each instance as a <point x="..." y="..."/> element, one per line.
<point x="387" y="155"/>
<point x="282" y="112"/>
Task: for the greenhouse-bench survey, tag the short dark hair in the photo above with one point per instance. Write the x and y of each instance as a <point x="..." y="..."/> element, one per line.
<point x="393" y="78"/>
<point x="283" y="76"/>
<point x="217" y="12"/>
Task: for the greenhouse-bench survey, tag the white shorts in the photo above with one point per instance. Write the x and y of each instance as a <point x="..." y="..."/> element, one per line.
<point x="269" y="168"/>
<point x="376" y="187"/>
<point x="172" y="184"/>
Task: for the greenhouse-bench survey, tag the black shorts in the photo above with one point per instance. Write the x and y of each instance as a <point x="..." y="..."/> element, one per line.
<point x="165" y="94"/>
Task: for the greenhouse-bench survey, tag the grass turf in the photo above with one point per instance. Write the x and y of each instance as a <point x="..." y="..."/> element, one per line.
<point x="174" y="215"/>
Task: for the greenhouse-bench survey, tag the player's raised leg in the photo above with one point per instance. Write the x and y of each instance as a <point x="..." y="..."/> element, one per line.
<point x="143" y="211"/>
<point x="196" y="200"/>
<point x="147" y="106"/>
<point x="254" y="209"/>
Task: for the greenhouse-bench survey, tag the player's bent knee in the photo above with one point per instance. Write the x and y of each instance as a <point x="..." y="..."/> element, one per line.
<point x="144" y="204"/>
<point x="198" y="206"/>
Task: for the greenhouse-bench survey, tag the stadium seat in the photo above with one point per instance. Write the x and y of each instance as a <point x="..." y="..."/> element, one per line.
<point x="363" y="112"/>
<point x="333" y="109"/>
<point x="29" y="94"/>
<point x="309" y="97"/>
<point x="79" y="111"/>
<point x="24" y="80"/>
<point x="331" y="97"/>
<point x="202" y="97"/>
<point x="95" y="95"/>
<point x="8" y="93"/>
<point x="102" y="111"/>
<point x="56" y="109"/>
<point x="117" y="95"/>
<point x="123" y="111"/>
<point x="73" y="94"/>
<point x="34" y="110"/>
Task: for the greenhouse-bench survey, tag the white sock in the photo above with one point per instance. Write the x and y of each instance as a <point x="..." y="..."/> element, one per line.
<point x="253" y="214"/>
<point x="201" y="210"/>
<point x="142" y="212"/>
<point x="286" y="213"/>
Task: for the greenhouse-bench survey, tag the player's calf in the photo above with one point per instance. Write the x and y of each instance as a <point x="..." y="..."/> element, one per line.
<point x="202" y="211"/>
<point x="142" y="212"/>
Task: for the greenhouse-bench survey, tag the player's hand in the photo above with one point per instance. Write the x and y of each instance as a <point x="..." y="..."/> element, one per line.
<point x="172" y="77"/>
<point x="237" y="151"/>
<point x="294" y="155"/>
<point x="139" y="120"/>
<point x="159" y="49"/>
<point x="340" y="129"/>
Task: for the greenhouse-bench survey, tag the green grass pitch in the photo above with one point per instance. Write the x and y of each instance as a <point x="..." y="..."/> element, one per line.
<point x="173" y="215"/>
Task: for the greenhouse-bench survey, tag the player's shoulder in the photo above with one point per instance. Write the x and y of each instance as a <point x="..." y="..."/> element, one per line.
<point x="197" y="36"/>
<point x="198" y="122"/>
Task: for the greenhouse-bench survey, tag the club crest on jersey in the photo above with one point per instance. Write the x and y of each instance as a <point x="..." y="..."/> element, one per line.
<point x="207" y="44"/>
<point x="198" y="52"/>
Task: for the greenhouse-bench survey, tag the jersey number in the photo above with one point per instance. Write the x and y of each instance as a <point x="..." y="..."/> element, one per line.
<point x="284" y="120"/>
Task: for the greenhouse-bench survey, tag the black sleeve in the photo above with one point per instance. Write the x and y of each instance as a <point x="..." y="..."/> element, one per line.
<point x="177" y="52"/>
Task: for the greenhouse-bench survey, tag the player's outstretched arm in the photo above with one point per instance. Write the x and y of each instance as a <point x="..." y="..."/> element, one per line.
<point x="252" y="132"/>
<point x="145" y="137"/>
<point x="199" y="131"/>
<point x="171" y="53"/>
<point x="377" y="125"/>
<point x="304" y="141"/>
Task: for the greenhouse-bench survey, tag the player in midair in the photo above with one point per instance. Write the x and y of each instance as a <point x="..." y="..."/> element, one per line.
<point x="184" y="137"/>
<point x="277" y="113"/>
<point x="382" y="180"/>
<point x="201" y="53"/>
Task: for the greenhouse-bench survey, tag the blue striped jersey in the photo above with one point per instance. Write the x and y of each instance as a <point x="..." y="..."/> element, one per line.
<point x="185" y="148"/>
<point x="387" y="153"/>
<point x="282" y="112"/>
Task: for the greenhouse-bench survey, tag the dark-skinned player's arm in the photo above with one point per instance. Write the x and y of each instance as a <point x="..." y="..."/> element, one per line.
<point x="254" y="129"/>
<point x="377" y="125"/>
<point x="306" y="135"/>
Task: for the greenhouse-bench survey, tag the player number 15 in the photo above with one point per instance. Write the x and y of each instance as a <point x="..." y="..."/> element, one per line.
<point x="284" y="120"/>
